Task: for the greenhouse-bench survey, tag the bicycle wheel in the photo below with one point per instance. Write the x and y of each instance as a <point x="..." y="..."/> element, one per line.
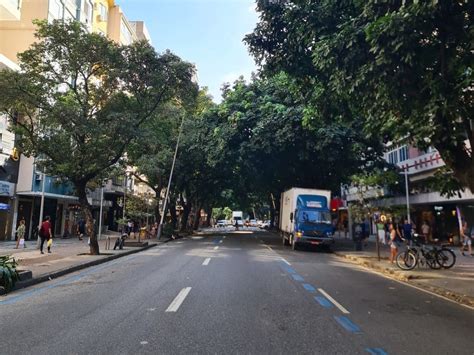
<point x="432" y="260"/>
<point x="447" y="258"/>
<point x="406" y="260"/>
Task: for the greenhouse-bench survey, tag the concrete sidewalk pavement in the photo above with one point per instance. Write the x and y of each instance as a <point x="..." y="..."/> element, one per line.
<point x="456" y="283"/>
<point x="67" y="255"/>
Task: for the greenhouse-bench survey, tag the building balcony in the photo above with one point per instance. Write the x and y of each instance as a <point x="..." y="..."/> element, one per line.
<point x="422" y="163"/>
<point x="10" y="10"/>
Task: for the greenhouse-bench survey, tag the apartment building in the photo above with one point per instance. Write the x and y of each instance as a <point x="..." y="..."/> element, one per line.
<point x="441" y="213"/>
<point x="16" y="35"/>
<point x="9" y="162"/>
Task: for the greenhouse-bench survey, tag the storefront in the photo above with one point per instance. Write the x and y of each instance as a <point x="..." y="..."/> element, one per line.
<point x="7" y="207"/>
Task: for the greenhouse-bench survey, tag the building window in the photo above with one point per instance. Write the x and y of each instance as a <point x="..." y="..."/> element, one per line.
<point x="403" y="153"/>
<point x="55" y="10"/>
<point x="103" y="12"/>
<point x="125" y="33"/>
<point x="393" y="157"/>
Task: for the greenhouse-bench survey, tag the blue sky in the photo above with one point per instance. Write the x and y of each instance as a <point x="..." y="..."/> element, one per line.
<point x="207" y="33"/>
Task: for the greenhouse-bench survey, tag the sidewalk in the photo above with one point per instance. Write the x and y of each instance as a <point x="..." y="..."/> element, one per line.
<point x="456" y="283"/>
<point x="67" y="255"/>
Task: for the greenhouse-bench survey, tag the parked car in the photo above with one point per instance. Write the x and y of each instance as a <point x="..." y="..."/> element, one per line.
<point x="221" y="223"/>
<point x="253" y="223"/>
<point x="265" y="224"/>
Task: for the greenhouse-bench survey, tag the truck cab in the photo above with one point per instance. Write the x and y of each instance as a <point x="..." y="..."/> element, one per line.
<point x="312" y="221"/>
<point x="305" y="217"/>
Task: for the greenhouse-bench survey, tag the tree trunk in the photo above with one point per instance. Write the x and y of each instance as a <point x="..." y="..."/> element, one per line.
<point x="197" y="217"/>
<point x="87" y="211"/>
<point x="209" y="216"/>
<point x="174" y="217"/>
<point x="157" y="211"/>
<point x="185" y="216"/>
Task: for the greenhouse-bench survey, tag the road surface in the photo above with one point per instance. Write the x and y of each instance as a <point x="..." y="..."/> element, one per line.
<point x="231" y="292"/>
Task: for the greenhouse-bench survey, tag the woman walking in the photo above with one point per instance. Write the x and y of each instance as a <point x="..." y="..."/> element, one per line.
<point x="394" y="238"/>
<point x="20" y="232"/>
<point x="466" y="237"/>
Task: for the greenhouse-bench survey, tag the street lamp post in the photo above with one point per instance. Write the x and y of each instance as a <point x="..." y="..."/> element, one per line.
<point x="160" y="227"/>
<point x="407" y="195"/>
<point x="100" y="211"/>
<point x="43" y="178"/>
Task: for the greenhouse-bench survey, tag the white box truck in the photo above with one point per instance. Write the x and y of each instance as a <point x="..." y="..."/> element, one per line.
<point x="237" y="217"/>
<point x="305" y="217"/>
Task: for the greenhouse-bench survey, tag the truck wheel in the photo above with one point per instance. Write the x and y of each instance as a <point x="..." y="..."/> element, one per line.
<point x="293" y="243"/>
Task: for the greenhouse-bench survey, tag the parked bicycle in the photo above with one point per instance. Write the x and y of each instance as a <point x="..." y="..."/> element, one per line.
<point x="420" y="254"/>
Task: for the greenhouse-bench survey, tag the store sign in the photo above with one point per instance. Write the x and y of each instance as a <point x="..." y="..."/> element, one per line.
<point x="6" y="188"/>
<point x="4" y="206"/>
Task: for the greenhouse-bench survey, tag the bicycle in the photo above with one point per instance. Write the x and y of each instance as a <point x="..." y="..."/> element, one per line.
<point x="446" y="256"/>
<point x="419" y="255"/>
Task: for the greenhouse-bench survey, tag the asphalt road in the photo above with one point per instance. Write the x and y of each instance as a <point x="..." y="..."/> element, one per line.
<point x="231" y="293"/>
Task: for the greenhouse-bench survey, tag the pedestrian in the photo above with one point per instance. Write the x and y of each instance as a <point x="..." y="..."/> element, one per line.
<point x="20" y="233"/>
<point x="394" y="242"/>
<point x="467" y="236"/>
<point x="46" y="234"/>
<point x="407" y="230"/>
<point x="136" y="229"/>
<point x="81" y="228"/>
<point x="129" y="228"/>
<point x="381" y="232"/>
<point x="346" y="227"/>
<point x="425" y="230"/>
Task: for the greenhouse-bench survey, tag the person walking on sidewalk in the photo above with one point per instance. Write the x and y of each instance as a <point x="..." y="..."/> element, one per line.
<point x="407" y="230"/>
<point x="381" y="232"/>
<point x="425" y="231"/>
<point x="466" y="235"/>
<point x="81" y="228"/>
<point x="394" y="242"/>
<point x="45" y="234"/>
<point x="20" y="233"/>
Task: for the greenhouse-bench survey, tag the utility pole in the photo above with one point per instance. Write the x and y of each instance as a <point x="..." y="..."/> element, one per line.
<point x="100" y="211"/>
<point x="160" y="226"/>
<point x="43" y="178"/>
<point x="407" y="193"/>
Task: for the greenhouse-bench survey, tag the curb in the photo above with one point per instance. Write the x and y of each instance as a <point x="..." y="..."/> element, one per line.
<point x="74" y="268"/>
<point x="411" y="280"/>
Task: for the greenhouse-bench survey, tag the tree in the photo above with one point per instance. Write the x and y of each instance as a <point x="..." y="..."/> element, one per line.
<point x="403" y="67"/>
<point x="82" y="99"/>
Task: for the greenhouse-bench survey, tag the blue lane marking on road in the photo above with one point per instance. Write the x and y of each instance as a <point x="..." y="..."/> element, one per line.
<point x="347" y="324"/>
<point x="66" y="281"/>
<point x="297" y="277"/>
<point x="376" y="351"/>
<point x="323" y="301"/>
<point x="287" y="268"/>
<point x="309" y="288"/>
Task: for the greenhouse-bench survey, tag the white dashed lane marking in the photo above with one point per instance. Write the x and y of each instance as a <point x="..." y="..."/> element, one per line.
<point x="333" y="301"/>
<point x="174" y="306"/>
<point x="206" y="261"/>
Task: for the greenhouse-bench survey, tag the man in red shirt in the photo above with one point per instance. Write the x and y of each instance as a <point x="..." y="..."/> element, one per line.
<point x="45" y="233"/>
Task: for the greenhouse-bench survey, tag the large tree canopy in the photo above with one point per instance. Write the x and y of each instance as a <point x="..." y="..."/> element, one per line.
<point x="404" y="67"/>
<point x="80" y="100"/>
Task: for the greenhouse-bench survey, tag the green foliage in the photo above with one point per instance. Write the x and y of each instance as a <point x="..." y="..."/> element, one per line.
<point x="403" y="69"/>
<point x="138" y="207"/>
<point x="8" y="273"/>
<point x="80" y="100"/>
